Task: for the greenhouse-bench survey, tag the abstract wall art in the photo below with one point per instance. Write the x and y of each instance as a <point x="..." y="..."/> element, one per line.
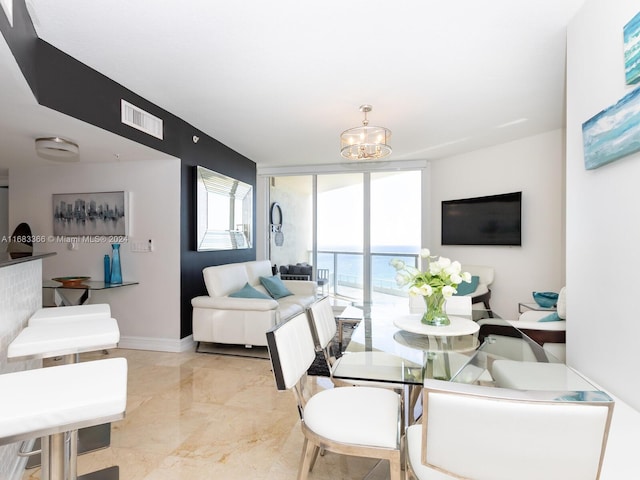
<point x="95" y="214"/>
<point x="631" y="34"/>
<point x="613" y="133"/>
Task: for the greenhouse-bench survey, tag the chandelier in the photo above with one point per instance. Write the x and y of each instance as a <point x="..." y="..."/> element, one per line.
<point x="365" y="142"/>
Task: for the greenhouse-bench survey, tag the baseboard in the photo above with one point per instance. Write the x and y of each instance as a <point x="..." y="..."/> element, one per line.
<point x="158" y="344"/>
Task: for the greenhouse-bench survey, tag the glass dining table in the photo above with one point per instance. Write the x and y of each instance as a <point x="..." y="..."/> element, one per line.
<point x="395" y="349"/>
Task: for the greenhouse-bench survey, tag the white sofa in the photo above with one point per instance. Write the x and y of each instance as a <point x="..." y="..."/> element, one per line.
<point x="219" y="318"/>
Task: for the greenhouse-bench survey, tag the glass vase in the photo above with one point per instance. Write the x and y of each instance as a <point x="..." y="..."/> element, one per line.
<point x="116" y="271"/>
<point x="435" y="314"/>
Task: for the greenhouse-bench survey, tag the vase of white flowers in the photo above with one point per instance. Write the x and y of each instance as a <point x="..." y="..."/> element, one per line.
<point x="435" y="284"/>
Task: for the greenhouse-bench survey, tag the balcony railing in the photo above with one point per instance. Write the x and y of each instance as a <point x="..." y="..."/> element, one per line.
<point x="346" y="273"/>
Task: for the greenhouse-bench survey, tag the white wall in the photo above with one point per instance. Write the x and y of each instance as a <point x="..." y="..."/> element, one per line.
<point x="535" y="166"/>
<point x="603" y="212"/>
<point x="149" y="313"/>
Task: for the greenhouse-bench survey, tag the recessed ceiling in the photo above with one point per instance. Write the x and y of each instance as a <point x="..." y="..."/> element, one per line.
<point x="279" y="81"/>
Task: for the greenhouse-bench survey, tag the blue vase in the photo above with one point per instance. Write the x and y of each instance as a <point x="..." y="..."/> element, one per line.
<point x="107" y="269"/>
<point x="116" y="271"/>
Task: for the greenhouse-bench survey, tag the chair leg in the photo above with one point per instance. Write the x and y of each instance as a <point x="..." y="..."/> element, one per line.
<point x="309" y="454"/>
<point x="395" y="467"/>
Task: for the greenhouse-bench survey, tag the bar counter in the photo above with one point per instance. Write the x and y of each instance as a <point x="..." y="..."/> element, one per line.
<point x="20" y="297"/>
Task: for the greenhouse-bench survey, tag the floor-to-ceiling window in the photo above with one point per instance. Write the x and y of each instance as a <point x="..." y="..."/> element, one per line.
<point x="340" y="232"/>
<point x="351" y="224"/>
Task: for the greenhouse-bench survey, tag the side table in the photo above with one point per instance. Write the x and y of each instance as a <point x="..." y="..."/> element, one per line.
<point x="61" y="299"/>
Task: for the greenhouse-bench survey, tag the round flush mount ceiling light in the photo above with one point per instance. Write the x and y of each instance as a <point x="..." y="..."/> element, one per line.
<point x="57" y="148"/>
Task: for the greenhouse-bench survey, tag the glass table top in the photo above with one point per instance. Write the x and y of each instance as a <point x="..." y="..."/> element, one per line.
<point x="498" y="355"/>
<point x="86" y="285"/>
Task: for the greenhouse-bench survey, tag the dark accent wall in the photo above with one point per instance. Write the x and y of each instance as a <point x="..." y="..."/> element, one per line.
<point x="62" y="83"/>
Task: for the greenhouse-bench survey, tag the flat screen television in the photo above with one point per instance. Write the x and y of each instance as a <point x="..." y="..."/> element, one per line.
<point x="491" y="220"/>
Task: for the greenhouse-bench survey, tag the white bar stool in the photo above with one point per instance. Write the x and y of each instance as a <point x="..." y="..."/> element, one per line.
<point x="94" y="310"/>
<point x="76" y="396"/>
<point x="66" y="339"/>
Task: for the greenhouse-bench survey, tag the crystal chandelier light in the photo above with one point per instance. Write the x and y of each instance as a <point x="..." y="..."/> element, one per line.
<point x="365" y="142"/>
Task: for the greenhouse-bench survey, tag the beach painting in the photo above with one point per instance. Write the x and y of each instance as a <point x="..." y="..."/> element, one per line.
<point x="613" y="133"/>
<point x="631" y="34"/>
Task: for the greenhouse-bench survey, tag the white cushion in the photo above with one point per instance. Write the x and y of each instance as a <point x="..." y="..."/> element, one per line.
<point x="46" y="339"/>
<point x="257" y="269"/>
<point x="356" y="415"/>
<point x="40" y="400"/>
<point x="222" y="280"/>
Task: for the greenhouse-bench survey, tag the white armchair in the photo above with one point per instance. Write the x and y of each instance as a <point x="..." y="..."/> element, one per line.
<point x="482" y="293"/>
<point x="551" y="335"/>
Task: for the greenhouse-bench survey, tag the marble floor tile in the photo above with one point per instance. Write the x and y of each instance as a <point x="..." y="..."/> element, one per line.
<point x="200" y="416"/>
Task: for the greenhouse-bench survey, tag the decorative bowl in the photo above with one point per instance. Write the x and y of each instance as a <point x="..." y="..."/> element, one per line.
<point x="71" y="281"/>
<point x="545" y="299"/>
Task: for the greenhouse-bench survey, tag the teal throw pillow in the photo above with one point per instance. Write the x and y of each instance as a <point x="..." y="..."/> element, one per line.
<point x="466" y="288"/>
<point x="249" y="292"/>
<point x="553" y="317"/>
<point x="275" y="287"/>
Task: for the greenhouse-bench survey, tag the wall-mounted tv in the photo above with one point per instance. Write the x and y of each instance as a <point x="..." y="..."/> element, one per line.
<point x="491" y="220"/>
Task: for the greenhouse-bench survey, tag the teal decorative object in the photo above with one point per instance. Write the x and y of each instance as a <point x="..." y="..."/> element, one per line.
<point x="465" y="288"/>
<point x="275" y="287"/>
<point x="107" y="269"/>
<point x="116" y="271"/>
<point x="249" y="292"/>
<point x="545" y="299"/>
<point x="552" y="317"/>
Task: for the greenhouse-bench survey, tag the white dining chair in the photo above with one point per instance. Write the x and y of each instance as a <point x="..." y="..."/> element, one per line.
<point x="357" y="421"/>
<point x="324" y="328"/>
<point x="488" y="433"/>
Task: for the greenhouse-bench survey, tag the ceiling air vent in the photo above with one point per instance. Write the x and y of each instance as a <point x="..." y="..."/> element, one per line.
<point x="141" y="120"/>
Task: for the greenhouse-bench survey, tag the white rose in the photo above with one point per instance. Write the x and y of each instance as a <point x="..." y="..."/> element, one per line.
<point x="425" y="253"/>
<point x="455" y="278"/>
<point x="466" y="276"/>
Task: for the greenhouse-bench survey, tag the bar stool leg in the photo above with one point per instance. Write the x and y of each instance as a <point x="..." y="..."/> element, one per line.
<point x="71" y="458"/>
<point x="56" y="464"/>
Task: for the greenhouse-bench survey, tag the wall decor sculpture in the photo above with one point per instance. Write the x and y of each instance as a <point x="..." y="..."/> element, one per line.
<point x="90" y="214"/>
<point x="613" y="133"/>
<point x="631" y="34"/>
